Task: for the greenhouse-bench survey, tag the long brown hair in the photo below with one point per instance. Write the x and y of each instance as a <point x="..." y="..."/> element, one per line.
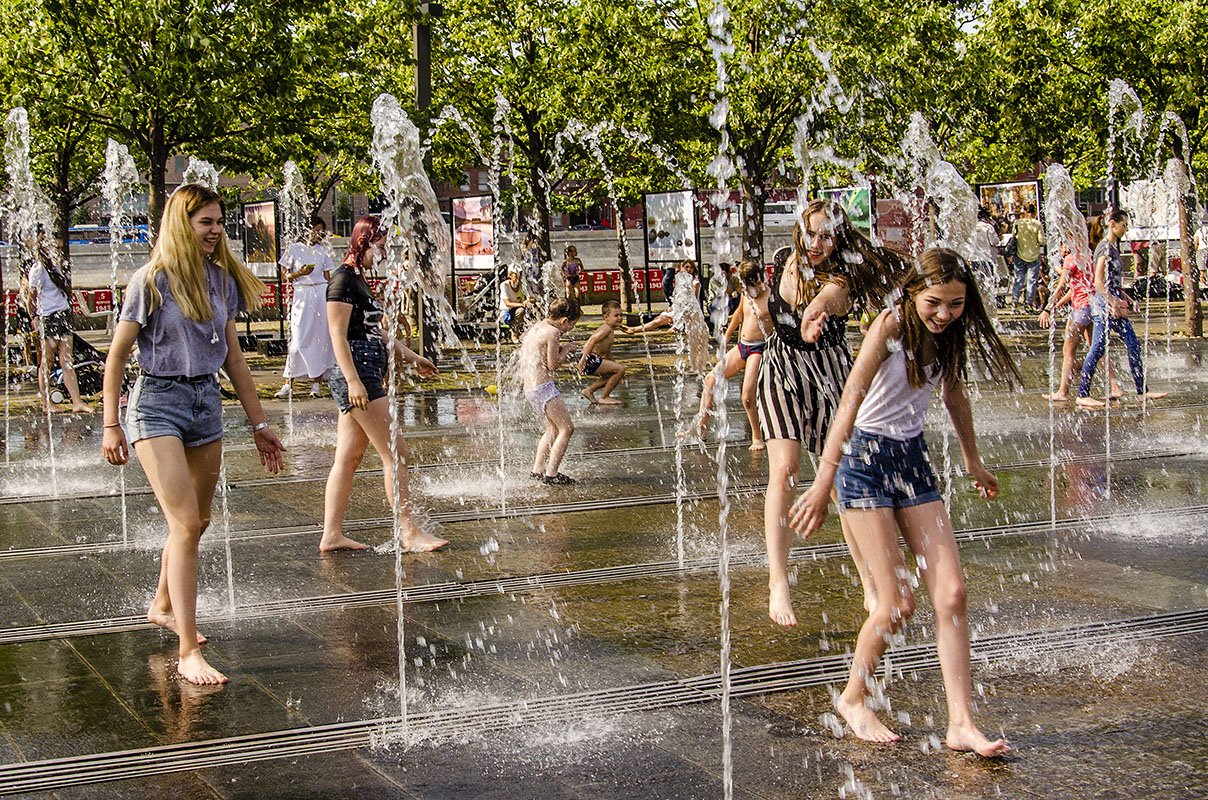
<point x="178" y="255"/>
<point x="869" y="272"/>
<point x="940" y="265"/>
<point x="367" y="230"/>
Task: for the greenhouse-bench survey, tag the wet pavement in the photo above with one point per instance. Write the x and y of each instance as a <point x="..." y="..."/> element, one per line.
<point x="559" y="649"/>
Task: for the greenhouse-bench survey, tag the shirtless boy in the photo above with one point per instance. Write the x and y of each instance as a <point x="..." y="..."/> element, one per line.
<point x="752" y="322"/>
<point x="541" y="353"/>
<point x="596" y="361"/>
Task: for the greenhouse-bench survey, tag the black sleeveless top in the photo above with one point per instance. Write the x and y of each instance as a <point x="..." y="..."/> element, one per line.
<point x="787" y="322"/>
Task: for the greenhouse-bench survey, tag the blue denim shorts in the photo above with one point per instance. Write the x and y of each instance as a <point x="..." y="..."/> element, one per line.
<point x="879" y="472"/>
<point x="369" y="357"/>
<point x="189" y="410"/>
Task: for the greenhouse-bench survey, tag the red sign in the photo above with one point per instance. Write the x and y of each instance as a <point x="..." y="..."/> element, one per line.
<point x="102" y="300"/>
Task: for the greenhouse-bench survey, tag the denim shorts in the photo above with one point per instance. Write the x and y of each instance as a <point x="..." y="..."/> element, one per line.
<point x="189" y="410"/>
<point x="879" y="472"/>
<point x="369" y="357"/>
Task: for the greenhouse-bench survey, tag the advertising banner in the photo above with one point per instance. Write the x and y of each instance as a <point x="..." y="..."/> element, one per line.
<point x="1006" y="201"/>
<point x="670" y="228"/>
<point x="473" y="234"/>
<point x="260" y="238"/>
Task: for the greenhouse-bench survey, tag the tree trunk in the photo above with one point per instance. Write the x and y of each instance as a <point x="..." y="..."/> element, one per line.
<point x="157" y="158"/>
<point x="1193" y="315"/>
<point x="752" y="219"/>
<point x="628" y="297"/>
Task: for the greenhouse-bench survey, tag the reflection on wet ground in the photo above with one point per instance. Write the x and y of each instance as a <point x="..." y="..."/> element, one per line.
<point x="559" y="644"/>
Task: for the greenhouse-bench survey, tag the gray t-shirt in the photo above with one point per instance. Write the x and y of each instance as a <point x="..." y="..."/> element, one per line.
<point x="169" y="343"/>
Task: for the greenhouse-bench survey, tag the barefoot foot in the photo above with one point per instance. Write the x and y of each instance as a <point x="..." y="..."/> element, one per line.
<point x="757" y="444"/>
<point x="1154" y="395"/>
<point x="967" y="738"/>
<point x="341" y="542"/>
<point x="81" y="408"/>
<point x="863" y="723"/>
<point x="167" y="621"/>
<point x="422" y="542"/>
<point x="193" y="668"/>
<point x="609" y="401"/>
<point x="1058" y="397"/>
<point x="1089" y="402"/>
<point x="780" y="606"/>
<point x="588" y="396"/>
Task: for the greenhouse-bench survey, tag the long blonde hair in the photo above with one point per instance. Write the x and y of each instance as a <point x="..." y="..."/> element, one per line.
<point x="178" y="256"/>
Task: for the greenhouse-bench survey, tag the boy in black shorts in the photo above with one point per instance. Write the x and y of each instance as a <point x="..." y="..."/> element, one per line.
<point x="596" y="361"/>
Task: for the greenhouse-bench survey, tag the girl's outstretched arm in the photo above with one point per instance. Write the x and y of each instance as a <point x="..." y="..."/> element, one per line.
<point x="957" y="403"/>
<point x="832" y="300"/>
<point x="809" y="512"/>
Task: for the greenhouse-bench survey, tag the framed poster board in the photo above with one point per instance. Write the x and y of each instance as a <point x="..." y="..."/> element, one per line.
<point x="670" y="227"/>
<point x="473" y="234"/>
<point x="1153" y="213"/>
<point x="1006" y="201"/>
<point x="859" y="203"/>
<point x="260" y="238"/>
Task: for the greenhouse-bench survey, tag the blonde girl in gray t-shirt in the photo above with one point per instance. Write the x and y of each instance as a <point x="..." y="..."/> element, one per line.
<point x="181" y="308"/>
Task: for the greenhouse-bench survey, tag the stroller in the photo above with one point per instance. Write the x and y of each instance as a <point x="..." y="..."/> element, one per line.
<point x="89" y="366"/>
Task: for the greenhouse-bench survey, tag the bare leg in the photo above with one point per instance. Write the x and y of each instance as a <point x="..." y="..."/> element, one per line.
<point x="876" y="532"/>
<point x="544" y="445"/>
<point x="729" y="367"/>
<point x="750" y="384"/>
<point x="928" y="532"/>
<point x="1069" y="348"/>
<point x="182" y="478"/>
<point x="615" y="374"/>
<point x="375" y="422"/>
<point x="48" y="353"/>
<point x="351" y="443"/>
<point x="784" y="462"/>
<point x="69" y="378"/>
<point x="557" y="413"/>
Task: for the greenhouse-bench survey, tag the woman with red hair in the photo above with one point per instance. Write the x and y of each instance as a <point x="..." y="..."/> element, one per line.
<point x="359" y="339"/>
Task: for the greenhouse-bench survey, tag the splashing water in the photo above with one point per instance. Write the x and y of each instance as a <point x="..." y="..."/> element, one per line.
<point x="202" y="173"/>
<point x="26" y="210"/>
<point x="121" y="177"/>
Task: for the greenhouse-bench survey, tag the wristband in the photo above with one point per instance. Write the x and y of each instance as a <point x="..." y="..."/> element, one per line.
<point x="824" y="460"/>
<point x="113" y="425"/>
<point x="259" y="426"/>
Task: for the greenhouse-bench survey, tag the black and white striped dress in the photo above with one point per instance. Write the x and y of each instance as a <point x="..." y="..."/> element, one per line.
<point x="800" y="383"/>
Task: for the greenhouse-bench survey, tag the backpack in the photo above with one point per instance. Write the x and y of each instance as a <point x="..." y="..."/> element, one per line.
<point x="1011" y="249"/>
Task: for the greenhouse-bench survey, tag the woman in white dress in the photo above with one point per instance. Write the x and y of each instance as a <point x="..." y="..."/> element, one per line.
<point x="308" y="265"/>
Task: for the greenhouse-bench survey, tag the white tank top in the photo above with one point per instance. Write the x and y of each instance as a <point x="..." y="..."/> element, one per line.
<point x="892" y="407"/>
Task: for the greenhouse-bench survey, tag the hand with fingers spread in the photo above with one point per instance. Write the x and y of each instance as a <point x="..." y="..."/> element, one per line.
<point x="270" y="449"/>
<point x="811" y="326"/>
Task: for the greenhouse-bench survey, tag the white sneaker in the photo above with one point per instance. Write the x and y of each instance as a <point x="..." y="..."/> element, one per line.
<point x="284" y="392"/>
<point x="314" y="389"/>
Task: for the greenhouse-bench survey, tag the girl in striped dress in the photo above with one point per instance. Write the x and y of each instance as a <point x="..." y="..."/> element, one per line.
<point x="831" y="266"/>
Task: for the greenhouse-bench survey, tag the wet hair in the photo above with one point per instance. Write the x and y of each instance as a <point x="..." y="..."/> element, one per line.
<point x="60" y="275"/>
<point x="867" y="271"/>
<point x="365" y="232"/>
<point x="751" y="272"/>
<point x="178" y="255"/>
<point x="318" y="222"/>
<point x="1119" y="215"/>
<point x="608" y="306"/>
<point x="565" y="309"/>
<point x="1094" y="231"/>
<point x="939" y="265"/>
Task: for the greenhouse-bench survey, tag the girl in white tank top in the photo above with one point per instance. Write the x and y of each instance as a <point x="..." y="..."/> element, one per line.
<point x="886" y="486"/>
